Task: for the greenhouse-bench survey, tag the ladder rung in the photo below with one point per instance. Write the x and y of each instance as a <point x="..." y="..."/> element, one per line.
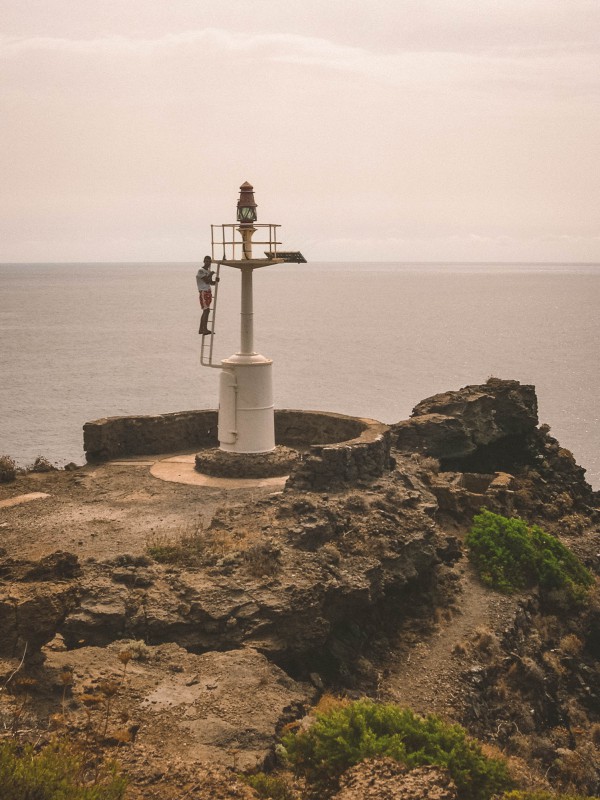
<point x="210" y="321"/>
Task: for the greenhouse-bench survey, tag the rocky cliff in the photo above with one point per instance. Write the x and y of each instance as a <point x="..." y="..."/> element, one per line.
<point x="328" y="585"/>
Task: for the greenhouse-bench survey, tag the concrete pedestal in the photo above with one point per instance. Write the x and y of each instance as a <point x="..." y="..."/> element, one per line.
<point x="246" y="414"/>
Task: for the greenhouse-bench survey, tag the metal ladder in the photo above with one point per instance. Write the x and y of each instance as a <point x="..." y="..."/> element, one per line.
<point x="206" y="348"/>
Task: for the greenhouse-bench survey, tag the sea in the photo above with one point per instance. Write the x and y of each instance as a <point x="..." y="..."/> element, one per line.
<point x="84" y="341"/>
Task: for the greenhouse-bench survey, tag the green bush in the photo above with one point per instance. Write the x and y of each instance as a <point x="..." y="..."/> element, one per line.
<point x="347" y="734"/>
<point x="58" y="771"/>
<point x="511" y="555"/>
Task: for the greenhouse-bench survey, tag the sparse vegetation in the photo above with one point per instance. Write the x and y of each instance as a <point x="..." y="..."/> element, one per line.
<point x="270" y="787"/>
<point x="262" y="559"/>
<point x="570" y="645"/>
<point x="41" y="464"/>
<point x="192" y="548"/>
<point x="348" y="733"/>
<point x="511" y="555"/>
<point x="426" y="464"/>
<point x="8" y="469"/>
<point x="57" y="771"/>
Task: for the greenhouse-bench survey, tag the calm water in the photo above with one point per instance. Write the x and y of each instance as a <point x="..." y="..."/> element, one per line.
<point x="82" y="341"/>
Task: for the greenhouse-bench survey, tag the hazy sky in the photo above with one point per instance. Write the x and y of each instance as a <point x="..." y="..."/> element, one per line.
<point x="388" y="130"/>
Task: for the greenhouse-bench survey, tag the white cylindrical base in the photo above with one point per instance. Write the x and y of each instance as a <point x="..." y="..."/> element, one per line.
<point x="246" y="414"/>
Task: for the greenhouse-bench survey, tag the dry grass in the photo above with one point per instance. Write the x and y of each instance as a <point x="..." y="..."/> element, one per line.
<point x="594" y="733"/>
<point x="357" y="504"/>
<point x="41" y="464"/>
<point x="425" y="463"/>
<point x="262" y="559"/>
<point x="329" y="702"/>
<point x="570" y="645"/>
<point x="552" y="661"/>
<point x="190" y="547"/>
<point x="577" y="769"/>
<point x="486" y="642"/>
<point x="460" y="648"/>
<point x="196" y="546"/>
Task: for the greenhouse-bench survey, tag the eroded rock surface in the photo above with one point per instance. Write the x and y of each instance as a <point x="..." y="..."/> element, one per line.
<point x="454" y="425"/>
<point x="217" y="708"/>
<point x="386" y="779"/>
<point x="35" y="598"/>
<point x="282" y="577"/>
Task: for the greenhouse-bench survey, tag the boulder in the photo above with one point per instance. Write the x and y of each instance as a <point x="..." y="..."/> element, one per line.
<point x="456" y="424"/>
<point x="35" y="598"/>
<point x="30" y="616"/>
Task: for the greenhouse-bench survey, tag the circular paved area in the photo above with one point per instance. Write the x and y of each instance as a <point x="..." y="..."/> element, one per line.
<point x="181" y="469"/>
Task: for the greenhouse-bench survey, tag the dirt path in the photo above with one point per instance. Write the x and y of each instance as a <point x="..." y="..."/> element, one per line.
<point x="428" y="680"/>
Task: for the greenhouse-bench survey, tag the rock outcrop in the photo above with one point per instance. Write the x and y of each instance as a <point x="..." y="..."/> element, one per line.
<point x="455" y="425"/>
<point x="224" y="624"/>
<point x="491" y="454"/>
<point x="286" y="578"/>
<point x="35" y="598"/>
<point x="538" y="690"/>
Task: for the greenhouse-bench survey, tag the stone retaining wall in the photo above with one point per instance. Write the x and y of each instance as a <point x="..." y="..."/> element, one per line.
<point x="120" y="437"/>
<point x="341" y="449"/>
<point x="305" y="428"/>
<point x="360" y="460"/>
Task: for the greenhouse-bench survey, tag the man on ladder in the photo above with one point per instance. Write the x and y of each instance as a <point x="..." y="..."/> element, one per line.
<point x="205" y="278"/>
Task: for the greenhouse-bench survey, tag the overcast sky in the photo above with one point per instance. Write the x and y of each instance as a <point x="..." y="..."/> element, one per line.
<point x="386" y="130"/>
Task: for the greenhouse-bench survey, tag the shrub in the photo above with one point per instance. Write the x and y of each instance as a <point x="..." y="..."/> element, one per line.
<point x="58" y="771"/>
<point x="346" y="735"/>
<point x="41" y="464"/>
<point x="570" y="645"/>
<point x="261" y="559"/>
<point x="192" y="548"/>
<point x="510" y="555"/>
<point x="270" y="786"/>
<point x="8" y="469"/>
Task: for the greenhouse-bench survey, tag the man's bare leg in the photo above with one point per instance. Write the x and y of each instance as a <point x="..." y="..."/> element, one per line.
<point x="204" y="322"/>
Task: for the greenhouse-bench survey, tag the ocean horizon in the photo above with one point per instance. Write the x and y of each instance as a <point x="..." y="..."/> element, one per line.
<point x="84" y="340"/>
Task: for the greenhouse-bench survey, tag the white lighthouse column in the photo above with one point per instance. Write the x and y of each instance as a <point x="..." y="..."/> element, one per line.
<point x="246" y="415"/>
<point x="246" y="411"/>
<point x="247" y="322"/>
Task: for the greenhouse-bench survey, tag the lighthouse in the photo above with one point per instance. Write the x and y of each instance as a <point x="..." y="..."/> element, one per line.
<point x="246" y="411"/>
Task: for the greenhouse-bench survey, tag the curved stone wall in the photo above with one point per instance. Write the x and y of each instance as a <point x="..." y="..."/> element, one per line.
<point x="339" y="449"/>
<point x="119" y="437"/>
<point x="359" y="460"/>
<point x="305" y="428"/>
